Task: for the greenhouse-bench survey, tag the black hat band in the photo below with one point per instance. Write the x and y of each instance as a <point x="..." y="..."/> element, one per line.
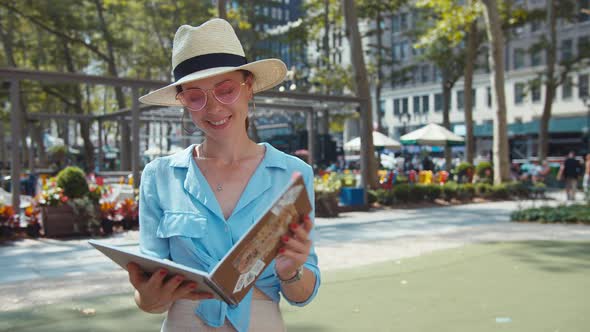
<point x="206" y="61"/>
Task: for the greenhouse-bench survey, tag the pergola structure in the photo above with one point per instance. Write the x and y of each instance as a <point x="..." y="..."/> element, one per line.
<point x="288" y="101"/>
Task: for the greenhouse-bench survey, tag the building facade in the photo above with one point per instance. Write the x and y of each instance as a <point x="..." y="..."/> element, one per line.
<point x="418" y="101"/>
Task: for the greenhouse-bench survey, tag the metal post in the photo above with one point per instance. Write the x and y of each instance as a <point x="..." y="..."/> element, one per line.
<point x="310" y="137"/>
<point x="100" y="145"/>
<point x="135" y="136"/>
<point x="365" y="155"/>
<point x="15" y="123"/>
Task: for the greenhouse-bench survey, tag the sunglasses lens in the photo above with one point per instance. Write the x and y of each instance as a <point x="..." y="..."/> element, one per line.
<point x="194" y="99"/>
<point x="227" y="92"/>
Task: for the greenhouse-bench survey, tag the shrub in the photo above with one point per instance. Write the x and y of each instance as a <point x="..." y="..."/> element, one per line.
<point x="518" y="189"/>
<point x="499" y="191"/>
<point x="483" y="189"/>
<point x="417" y="193"/>
<point x="466" y="191"/>
<point x="401" y="193"/>
<point x="464" y="171"/>
<point x="73" y="182"/>
<point x="383" y="196"/>
<point x="484" y="170"/>
<point x="432" y="192"/>
<point x="449" y="190"/>
<point x="565" y="214"/>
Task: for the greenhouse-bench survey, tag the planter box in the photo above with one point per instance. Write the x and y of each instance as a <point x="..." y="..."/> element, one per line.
<point x="59" y="221"/>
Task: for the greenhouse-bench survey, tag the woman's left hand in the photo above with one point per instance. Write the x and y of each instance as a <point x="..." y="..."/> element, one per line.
<point x="295" y="249"/>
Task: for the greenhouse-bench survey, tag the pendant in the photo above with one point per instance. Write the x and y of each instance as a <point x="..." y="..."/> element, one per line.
<point x="219" y="187"/>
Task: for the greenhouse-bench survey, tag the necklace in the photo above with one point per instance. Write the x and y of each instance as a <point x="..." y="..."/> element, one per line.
<point x="219" y="186"/>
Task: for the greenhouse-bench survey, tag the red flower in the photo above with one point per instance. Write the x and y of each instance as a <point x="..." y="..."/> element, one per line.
<point x="64" y="199"/>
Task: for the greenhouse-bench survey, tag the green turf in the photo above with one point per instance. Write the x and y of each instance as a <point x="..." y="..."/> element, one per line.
<point x="529" y="286"/>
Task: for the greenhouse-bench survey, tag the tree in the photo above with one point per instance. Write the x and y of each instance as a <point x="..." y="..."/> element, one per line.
<point x="362" y="88"/>
<point x="556" y="73"/>
<point x="496" y="38"/>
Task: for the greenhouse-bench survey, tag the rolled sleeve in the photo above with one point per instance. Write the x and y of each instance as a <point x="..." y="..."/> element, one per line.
<point x="150" y="215"/>
<point x="312" y="260"/>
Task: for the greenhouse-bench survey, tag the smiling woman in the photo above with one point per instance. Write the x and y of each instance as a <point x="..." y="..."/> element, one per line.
<point x="195" y="204"/>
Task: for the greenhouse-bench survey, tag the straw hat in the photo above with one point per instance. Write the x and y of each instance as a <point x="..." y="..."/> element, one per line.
<point x="208" y="50"/>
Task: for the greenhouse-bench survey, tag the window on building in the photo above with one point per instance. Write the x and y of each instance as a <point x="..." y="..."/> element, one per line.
<point x="395" y="24"/>
<point x="416" y="104"/>
<point x="584" y="16"/>
<point x="566" y="88"/>
<point x="536" y="26"/>
<point x="537" y="58"/>
<point x="382" y="107"/>
<point x="566" y="49"/>
<point x="404" y="49"/>
<point x="518" y="93"/>
<point x="536" y="91"/>
<point x="405" y="108"/>
<point x="396" y="107"/>
<point x="424" y="74"/>
<point x="404" y="21"/>
<point x="584" y="45"/>
<point x="397" y="50"/>
<point x="437" y="75"/>
<point x="489" y="96"/>
<point x="460" y="100"/>
<point x="583" y="86"/>
<point x="438" y="102"/>
<point x="425" y="104"/>
<point x="519" y="55"/>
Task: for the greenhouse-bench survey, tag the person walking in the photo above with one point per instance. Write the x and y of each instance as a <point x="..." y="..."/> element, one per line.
<point x="569" y="172"/>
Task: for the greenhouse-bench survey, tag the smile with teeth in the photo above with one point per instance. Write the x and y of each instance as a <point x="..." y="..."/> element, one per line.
<point x="218" y="123"/>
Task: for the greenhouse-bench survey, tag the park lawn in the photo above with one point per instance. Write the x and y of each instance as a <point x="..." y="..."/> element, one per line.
<point x="523" y="286"/>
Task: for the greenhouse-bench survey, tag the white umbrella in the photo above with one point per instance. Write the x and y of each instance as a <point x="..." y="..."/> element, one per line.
<point x="379" y="140"/>
<point x="432" y="134"/>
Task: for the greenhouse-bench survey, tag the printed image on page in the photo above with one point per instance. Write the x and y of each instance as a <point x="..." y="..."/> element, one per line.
<point x="250" y="262"/>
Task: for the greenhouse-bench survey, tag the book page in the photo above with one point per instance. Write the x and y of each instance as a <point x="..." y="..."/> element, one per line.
<point x="240" y="268"/>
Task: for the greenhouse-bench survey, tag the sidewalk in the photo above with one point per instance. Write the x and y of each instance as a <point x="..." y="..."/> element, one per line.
<point x="521" y="286"/>
<point x="45" y="278"/>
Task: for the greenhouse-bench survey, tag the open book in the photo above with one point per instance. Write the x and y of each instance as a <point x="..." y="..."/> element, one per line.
<point x="235" y="274"/>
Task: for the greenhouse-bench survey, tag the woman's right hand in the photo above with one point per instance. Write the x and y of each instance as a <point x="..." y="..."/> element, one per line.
<point x="155" y="294"/>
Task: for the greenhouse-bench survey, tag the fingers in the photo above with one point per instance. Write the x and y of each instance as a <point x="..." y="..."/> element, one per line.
<point x="307" y="224"/>
<point x="300" y="231"/>
<point x="295" y="244"/>
<point x="136" y="275"/>
<point x="188" y="291"/>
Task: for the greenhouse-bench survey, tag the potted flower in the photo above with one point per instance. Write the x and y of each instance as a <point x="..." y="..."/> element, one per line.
<point x="108" y="212"/>
<point x="33" y="227"/>
<point x="7" y="221"/>
<point x="327" y="190"/>
<point x="128" y="209"/>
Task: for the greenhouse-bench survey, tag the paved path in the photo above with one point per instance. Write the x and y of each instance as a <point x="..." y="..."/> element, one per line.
<point x="48" y="271"/>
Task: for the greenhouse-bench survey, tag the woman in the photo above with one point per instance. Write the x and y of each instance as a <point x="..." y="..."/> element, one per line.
<point x="196" y="204"/>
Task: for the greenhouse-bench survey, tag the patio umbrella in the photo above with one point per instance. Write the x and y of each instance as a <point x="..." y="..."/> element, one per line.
<point x="379" y="141"/>
<point x="432" y="134"/>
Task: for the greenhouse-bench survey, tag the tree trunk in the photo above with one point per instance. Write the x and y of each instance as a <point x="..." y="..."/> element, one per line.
<point x="362" y="89"/>
<point x="469" y="64"/>
<point x="37" y="137"/>
<point x="324" y="125"/>
<point x="378" y="84"/>
<point x="495" y="35"/>
<point x="447" y="85"/>
<point x="550" y="84"/>
<point x="221" y="10"/>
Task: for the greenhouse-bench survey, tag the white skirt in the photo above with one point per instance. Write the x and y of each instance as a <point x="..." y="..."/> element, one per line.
<point x="265" y="316"/>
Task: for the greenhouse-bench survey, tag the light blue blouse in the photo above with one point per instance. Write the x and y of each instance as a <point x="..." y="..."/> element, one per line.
<point x="181" y="220"/>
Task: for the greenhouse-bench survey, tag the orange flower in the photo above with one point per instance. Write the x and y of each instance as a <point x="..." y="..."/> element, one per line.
<point x="29" y="211"/>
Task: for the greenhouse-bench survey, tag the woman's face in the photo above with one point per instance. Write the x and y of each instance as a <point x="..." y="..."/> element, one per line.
<point x="217" y="119"/>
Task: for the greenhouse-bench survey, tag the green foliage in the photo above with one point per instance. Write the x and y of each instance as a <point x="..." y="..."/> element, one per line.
<point x="463" y="167"/>
<point x="383" y="196"/>
<point x="450" y="190"/>
<point x="483" y="168"/>
<point x="401" y="193"/>
<point x="466" y="191"/>
<point x="433" y="191"/>
<point x="499" y="191"/>
<point x="73" y="182"/>
<point x="578" y="213"/>
<point x="482" y="189"/>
